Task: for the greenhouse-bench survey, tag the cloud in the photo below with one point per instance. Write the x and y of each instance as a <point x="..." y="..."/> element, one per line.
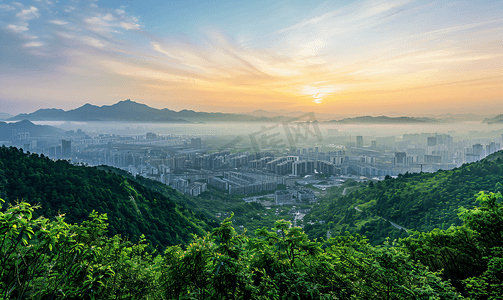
<point x="90" y="41"/>
<point x="47" y="2"/>
<point x="129" y="25"/>
<point x="69" y="9"/>
<point x="319" y="92"/>
<point x="65" y="35"/>
<point x="312" y="48"/>
<point x="28" y="14"/>
<point x="19" y="58"/>
<point x="108" y="17"/>
<point x="34" y="44"/>
<point x="58" y="22"/>
<point x="104" y="24"/>
<point x="18" y="28"/>
<point x="6" y="7"/>
<point x="97" y="24"/>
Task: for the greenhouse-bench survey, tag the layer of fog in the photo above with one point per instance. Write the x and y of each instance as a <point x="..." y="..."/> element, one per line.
<point x="459" y="130"/>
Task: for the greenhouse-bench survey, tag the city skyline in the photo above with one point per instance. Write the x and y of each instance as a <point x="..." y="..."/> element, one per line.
<point x="352" y="57"/>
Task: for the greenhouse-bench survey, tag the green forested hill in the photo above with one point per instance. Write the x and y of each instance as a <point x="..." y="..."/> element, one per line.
<point x="42" y="259"/>
<point x="132" y="209"/>
<point x="414" y="201"/>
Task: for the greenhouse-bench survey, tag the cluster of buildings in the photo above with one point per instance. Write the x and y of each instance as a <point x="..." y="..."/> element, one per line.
<point x="236" y="183"/>
<point x="425" y="152"/>
<point x="293" y="195"/>
<point x="184" y="162"/>
<point x="184" y="186"/>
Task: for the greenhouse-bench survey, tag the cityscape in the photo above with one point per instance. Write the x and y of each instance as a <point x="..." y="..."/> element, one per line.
<point x="290" y="162"/>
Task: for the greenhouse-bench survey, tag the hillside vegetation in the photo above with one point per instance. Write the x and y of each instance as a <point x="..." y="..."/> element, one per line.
<point x="75" y="191"/>
<point x="413" y="201"/>
<point x="216" y="204"/>
<point x="44" y="255"/>
<point x="51" y="259"/>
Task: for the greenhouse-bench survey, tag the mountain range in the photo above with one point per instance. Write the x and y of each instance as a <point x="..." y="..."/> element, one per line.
<point x="292" y="114"/>
<point x="5" y="116"/>
<point x="449" y="117"/>
<point x="385" y="120"/>
<point x="9" y="130"/>
<point x="496" y="119"/>
<point x="130" y="111"/>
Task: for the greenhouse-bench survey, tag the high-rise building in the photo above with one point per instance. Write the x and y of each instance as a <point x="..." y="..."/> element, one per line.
<point x="359" y="141"/>
<point x="478" y="149"/>
<point x="432" y="141"/>
<point x="66" y="148"/>
<point x="301" y="168"/>
<point x="400" y="158"/>
<point x="374" y="144"/>
<point x="196" y="143"/>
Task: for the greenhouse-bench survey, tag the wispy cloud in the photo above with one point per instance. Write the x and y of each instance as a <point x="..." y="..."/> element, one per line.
<point x="18" y="28"/>
<point x="29" y="13"/>
<point x="58" y="22"/>
<point x="6" y="7"/>
<point x="46" y="2"/>
<point x="130" y="25"/>
<point x="93" y="42"/>
<point x="34" y="44"/>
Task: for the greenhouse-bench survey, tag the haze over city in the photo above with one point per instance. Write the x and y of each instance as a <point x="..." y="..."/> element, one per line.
<point x="341" y="57"/>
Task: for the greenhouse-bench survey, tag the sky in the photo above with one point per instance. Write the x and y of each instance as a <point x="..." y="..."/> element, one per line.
<point x="339" y="57"/>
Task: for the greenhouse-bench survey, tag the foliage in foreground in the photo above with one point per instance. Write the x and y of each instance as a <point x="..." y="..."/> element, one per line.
<point x="471" y="256"/>
<point x="44" y="259"/>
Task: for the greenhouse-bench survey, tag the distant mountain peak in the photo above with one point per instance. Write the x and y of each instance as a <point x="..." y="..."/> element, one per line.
<point x="385" y="119"/>
<point x="24" y="122"/>
<point x="6" y="129"/>
<point x="88" y="105"/>
<point x="496" y="119"/>
<point x="127" y="101"/>
<point x="131" y="111"/>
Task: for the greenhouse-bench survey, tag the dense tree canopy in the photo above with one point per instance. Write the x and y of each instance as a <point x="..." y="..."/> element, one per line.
<point x="75" y="191"/>
<point x="44" y="259"/>
<point x="52" y="259"/>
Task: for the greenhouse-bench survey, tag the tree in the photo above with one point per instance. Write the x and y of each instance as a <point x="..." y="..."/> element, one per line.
<point x="470" y="255"/>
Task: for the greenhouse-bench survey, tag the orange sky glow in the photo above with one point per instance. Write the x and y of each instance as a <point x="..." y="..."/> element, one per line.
<point x="368" y="57"/>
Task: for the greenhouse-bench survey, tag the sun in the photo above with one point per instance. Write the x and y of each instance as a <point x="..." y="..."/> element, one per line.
<point x="319" y="92"/>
